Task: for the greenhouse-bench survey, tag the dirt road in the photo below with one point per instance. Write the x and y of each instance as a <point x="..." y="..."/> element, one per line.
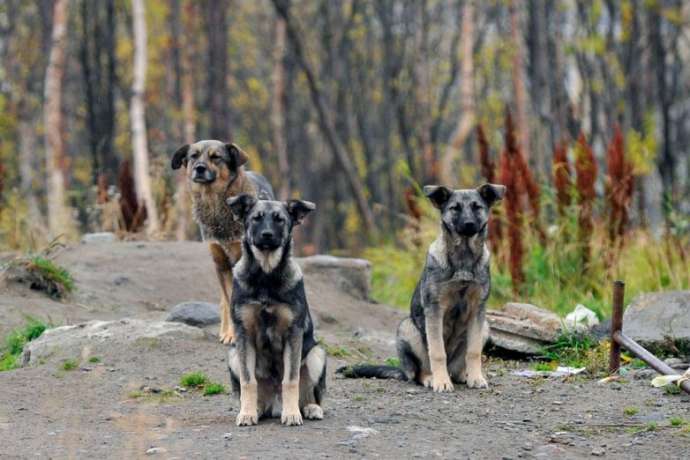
<point x="98" y="410"/>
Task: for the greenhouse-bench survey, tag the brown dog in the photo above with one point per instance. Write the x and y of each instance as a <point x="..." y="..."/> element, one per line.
<point x="215" y="172"/>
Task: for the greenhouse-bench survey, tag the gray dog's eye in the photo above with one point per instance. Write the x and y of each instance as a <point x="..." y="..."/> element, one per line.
<point x="278" y="218"/>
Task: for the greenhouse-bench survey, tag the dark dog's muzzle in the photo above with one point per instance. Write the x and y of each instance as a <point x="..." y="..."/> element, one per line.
<point x="202" y="175"/>
<point x="468" y="229"/>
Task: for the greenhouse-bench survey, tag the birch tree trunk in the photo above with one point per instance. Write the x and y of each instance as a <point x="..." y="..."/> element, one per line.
<point x="519" y="81"/>
<point x="59" y="221"/>
<point x="447" y="173"/>
<point x="142" y="179"/>
<point x="278" y="112"/>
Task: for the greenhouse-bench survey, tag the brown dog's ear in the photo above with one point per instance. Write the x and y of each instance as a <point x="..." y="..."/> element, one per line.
<point x="241" y="205"/>
<point x="437" y="194"/>
<point x="298" y="209"/>
<point x="237" y="155"/>
<point x="491" y="193"/>
<point x="180" y="157"/>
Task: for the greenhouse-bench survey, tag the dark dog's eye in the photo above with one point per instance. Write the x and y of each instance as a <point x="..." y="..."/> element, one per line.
<point x="278" y="218"/>
<point x="257" y="217"/>
<point x="456" y="208"/>
<point x="475" y="206"/>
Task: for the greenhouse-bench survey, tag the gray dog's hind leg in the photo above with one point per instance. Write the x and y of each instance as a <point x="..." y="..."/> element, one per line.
<point x="412" y="353"/>
<point x="234" y="368"/>
<point x="313" y="383"/>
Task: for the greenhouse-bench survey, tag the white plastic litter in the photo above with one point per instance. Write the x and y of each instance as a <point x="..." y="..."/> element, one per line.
<point x="561" y="371"/>
<point x="664" y="380"/>
<point x="582" y="319"/>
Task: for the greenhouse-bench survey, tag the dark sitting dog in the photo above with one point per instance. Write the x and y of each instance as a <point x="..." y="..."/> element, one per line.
<point x="446" y="331"/>
<point x="275" y="364"/>
<point x="215" y="172"/>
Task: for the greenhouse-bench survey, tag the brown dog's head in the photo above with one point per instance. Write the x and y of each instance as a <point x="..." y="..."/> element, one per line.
<point x="209" y="163"/>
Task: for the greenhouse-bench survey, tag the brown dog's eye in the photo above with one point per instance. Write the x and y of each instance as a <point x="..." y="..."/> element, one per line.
<point x="194" y="155"/>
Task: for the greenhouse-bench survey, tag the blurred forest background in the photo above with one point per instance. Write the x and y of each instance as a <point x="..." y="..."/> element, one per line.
<point x="581" y="107"/>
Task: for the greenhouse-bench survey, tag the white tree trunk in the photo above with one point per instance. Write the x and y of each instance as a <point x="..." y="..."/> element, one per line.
<point x="137" y="109"/>
<point x="59" y="219"/>
<point x="278" y="112"/>
<point x="447" y="173"/>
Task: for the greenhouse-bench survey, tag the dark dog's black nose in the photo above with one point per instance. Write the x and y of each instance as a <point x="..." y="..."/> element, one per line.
<point x="200" y="169"/>
<point x="469" y="228"/>
<point x="267" y="234"/>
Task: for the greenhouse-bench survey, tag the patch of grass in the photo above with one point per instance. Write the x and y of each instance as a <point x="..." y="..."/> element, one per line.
<point x="69" y="365"/>
<point x="676" y="421"/>
<point x="631" y="410"/>
<point x="358" y="398"/>
<point x="335" y="351"/>
<point x="162" y="397"/>
<point x="53" y="273"/>
<point x="194" y="380"/>
<point x="214" y="389"/>
<point x="545" y="367"/>
<point x="16" y="340"/>
<point x="395" y="362"/>
<point x="672" y="389"/>
<point x="651" y="426"/>
<point x="94" y="360"/>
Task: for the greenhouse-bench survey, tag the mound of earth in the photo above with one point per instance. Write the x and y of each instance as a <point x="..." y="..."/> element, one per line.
<point x="121" y="398"/>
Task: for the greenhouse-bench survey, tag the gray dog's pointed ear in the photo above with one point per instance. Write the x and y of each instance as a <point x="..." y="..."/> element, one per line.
<point x="237" y="155"/>
<point x="298" y="209"/>
<point x="437" y="194"/>
<point x="180" y="157"/>
<point x="491" y="193"/>
<point x="241" y="205"/>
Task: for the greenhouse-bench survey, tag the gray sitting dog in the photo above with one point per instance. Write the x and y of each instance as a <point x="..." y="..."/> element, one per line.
<point x="442" y="339"/>
<point x="275" y="364"/>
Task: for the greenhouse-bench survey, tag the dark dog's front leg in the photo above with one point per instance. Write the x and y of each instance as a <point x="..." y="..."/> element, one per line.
<point x="292" y="361"/>
<point x="440" y="380"/>
<point x="248" y="386"/>
<point x="477" y="333"/>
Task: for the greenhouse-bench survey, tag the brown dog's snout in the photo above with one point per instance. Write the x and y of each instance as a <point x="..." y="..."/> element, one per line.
<point x="200" y="168"/>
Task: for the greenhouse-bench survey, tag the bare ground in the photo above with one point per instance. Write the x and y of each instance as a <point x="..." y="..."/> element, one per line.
<point x="46" y="412"/>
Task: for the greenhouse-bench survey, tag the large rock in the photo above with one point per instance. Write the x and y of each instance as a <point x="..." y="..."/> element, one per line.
<point x="523" y="328"/>
<point x="69" y="342"/>
<point x="350" y="275"/>
<point x="98" y="238"/>
<point x="194" y="313"/>
<point x="659" y="318"/>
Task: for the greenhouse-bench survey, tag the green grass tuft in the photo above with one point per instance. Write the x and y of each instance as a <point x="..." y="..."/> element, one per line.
<point x="15" y="341"/>
<point x="395" y="362"/>
<point x="214" y="389"/>
<point x="631" y="410"/>
<point x="52" y="272"/>
<point x="194" y="380"/>
<point x="94" y="360"/>
<point x="676" y="421"/>
<point x="69" y="365"/>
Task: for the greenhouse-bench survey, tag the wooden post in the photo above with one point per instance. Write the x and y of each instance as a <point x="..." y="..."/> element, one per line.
<point x="616" y="326"/>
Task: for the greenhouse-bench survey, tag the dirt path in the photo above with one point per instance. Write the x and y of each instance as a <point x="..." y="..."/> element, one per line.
<point x="90" y="412"/>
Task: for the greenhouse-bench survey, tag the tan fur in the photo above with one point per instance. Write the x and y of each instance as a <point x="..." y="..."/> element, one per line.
<point x="210" y="209"/>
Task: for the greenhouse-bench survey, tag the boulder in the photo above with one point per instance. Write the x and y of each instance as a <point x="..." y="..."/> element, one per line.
<point x="350" y="275"/>
<point x="69" y="342"/>
<point x="194" y="313"/>
<point x="523" y="328"/>
<point x="659" y="319"/>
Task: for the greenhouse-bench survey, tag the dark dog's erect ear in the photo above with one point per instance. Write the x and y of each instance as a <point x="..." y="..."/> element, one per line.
<point x="437" y="194"/>
<point x="180" y="157"/>
<point x="241" y="204"/>
<point x="491" y="193"/>
<point x="298" y="209"/>
<point x="237" y="155"/>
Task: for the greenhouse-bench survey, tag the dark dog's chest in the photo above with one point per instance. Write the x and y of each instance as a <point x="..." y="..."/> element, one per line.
<point x="268" y="323"/>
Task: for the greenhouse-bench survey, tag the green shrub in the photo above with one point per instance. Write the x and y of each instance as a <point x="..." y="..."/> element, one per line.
<point x="214" y="389"/>
<point x="15" y="341"/>
<point x="194" y="380"/>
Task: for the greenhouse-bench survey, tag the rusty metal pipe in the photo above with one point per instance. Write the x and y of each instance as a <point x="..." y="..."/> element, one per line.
<point x="618" y="339"/>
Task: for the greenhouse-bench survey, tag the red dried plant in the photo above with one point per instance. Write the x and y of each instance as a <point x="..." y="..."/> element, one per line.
<point x="514" y="182"/>
<point x="488" y="169"/>
<point x="586" y="170"/>
<point x="562" y="177"/>
<point x="415" y="213"/>
<point x="102" y="189"/>
<point x="133" y="213"/>
<point x="619" y="187"/>
<point x="2" y="185"/>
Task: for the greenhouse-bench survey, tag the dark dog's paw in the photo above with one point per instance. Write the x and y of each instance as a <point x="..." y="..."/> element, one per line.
<point x="477" y="381"/>
<point x="245" y="419"/>
<point x="291" y="419"/>
<point x="313" y="412"/>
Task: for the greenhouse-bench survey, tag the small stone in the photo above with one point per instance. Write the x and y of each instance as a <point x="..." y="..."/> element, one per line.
<point x="195" y="314"/>
<point x="598" y="452"/>
<point x="155" y="450"/>
<point x="101" y="237"/>
<point x="227" y="436"/>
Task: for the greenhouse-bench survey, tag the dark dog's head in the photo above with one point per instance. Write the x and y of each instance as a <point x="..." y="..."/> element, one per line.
<point x="464" y="212"/>
<point x="209" y="163"/>
<point x="268" y="225"/>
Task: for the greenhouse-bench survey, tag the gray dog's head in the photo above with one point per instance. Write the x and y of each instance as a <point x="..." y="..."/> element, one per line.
<point x="464" y="212"/>
<point x="268" y="224"/>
